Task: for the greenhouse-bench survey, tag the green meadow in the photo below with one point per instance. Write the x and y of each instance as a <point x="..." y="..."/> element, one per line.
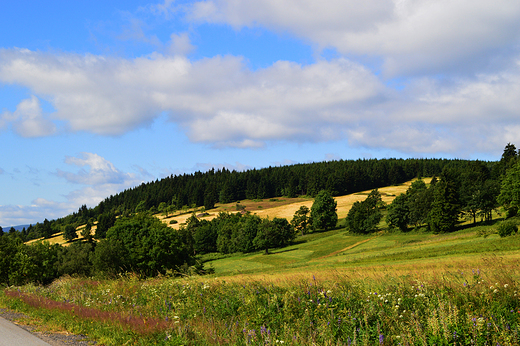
<point x="328" y="288"/>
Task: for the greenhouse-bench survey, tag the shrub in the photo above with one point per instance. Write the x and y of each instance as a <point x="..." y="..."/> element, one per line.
<point x="173" y="222"/>
<point x="507" y="228"/>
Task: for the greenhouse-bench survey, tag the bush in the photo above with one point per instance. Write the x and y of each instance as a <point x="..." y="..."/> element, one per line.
<point x="173" y="222"/>
<point x="507" y="228"/>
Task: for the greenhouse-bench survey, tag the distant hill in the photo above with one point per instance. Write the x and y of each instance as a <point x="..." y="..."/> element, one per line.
<point x="18" y="228"/>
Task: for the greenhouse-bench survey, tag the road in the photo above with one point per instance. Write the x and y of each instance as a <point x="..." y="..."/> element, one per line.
<point x="11" y="335"/>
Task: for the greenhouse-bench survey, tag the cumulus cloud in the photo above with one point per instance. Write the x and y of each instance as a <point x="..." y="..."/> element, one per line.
<point x="217" y="100"/>
<point x="221" y="102"/>
<point x="101" y="178"/>
<point x="28" y="119"/>
<point x="180" y="44"/>
<point x="410" y="36"/>
<point x="98" y="178"/>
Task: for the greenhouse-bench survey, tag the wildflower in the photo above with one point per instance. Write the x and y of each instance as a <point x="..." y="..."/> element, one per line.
<point x="495" y="291"/>
<point x="506" y="285"/>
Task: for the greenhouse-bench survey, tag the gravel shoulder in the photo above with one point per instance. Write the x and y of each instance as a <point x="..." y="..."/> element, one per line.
<point x="54" y="339"/>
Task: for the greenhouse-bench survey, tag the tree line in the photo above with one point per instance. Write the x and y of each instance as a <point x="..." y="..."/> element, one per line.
<point x="144" y="245"/>
<point x="223" y="186"/>
<point x="471" y="191"/>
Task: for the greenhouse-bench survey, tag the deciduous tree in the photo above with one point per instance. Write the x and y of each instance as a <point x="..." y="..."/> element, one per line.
<point x="323" y="211"/>
<point x="364" y="216"/>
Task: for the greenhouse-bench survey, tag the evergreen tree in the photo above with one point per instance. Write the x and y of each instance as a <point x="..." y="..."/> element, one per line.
<point x="398" y="215"/>
<point x="445" y="209"/>
<point x="46" y="229"/>
<point x="105" y="221"/>
<point x="87" y="231"/>
<point x="509" y="196"/>
<point x="419" y="199"/>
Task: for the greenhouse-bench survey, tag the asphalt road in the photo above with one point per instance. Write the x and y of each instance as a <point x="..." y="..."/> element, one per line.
<point x="12" y="335"/>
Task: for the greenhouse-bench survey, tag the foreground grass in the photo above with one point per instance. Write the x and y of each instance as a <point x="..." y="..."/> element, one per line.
<point x="460" y="305"/>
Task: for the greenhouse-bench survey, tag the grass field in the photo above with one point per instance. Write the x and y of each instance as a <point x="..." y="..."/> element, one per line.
<point x="329" y="288"/>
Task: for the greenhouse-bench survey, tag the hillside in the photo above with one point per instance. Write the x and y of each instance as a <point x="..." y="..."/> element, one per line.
<point x="282" y="207"/>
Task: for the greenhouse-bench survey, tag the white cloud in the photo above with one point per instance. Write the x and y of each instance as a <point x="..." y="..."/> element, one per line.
<point x="220" y="102"/>
<point x="40" y="209"/>
<point x="28" y="120"/>
<point x="98" y="178"/>
<point x="180" y="44"/>
<point x="101" y="171"/>
<point x="410" y="36"/>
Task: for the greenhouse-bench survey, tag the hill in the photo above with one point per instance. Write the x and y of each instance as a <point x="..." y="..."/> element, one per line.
<point x="220" y="187"/>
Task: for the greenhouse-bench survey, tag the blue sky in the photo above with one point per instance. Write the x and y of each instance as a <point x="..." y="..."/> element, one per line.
<point x="99" y="96"/>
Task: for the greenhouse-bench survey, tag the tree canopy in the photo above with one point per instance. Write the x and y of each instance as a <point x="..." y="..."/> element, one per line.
<point x="323" y="211"/>
<point x="364" y="216"/>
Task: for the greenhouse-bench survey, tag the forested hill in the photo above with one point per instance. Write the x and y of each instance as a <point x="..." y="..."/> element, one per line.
<point x="224" y="186"/>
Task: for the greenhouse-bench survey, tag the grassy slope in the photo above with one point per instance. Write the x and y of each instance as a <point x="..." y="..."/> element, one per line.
<point x="338" y="249"/>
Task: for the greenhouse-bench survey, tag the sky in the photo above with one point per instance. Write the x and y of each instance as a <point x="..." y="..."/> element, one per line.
<point x="100" y="96"/>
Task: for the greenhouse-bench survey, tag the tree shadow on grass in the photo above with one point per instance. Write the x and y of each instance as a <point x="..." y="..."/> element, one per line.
<point x="286" y="250"/>
<point x="481" y="223"/>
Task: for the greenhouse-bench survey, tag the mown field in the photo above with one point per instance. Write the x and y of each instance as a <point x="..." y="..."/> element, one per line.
<point x="329" y="288"/>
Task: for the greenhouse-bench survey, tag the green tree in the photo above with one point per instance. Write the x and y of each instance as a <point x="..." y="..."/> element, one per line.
<point x="35" y="263"/>
<point x="70" y="233"/>
<point x="205" y="237"/>
<point x="323" y="211"/>
<point x="75" y="259"/>
<point x="364" y="216"/>
<point x="398" y="215"/>
<point x="87" y="231"/>
<point x="509" y="196"/>
<point x="149" y="247"/>
<point x="8" y="248"/>
<point x="141" y="207"/>
<point x="109" y="258"/>
<point x="445" y="210"/>
<point x="300" y="221"/>
<point x="105" y="221"/>
<point x="46" y="229"/>
<point x="163" y="208"/>
<point x="244" y="235"/>
<point x="275" y="233"/>
<point x="419" y="198"/>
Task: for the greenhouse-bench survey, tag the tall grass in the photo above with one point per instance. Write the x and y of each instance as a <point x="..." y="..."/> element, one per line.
<point x="465" y="304"/>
